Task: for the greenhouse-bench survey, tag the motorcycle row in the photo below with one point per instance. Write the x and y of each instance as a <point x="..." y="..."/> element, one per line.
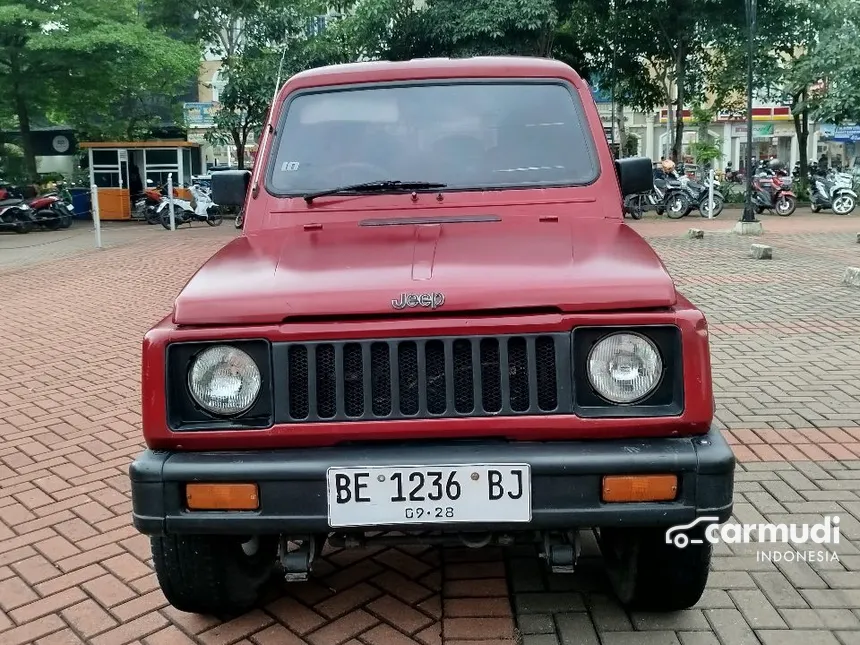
<point x="677" y="195"/>
<point x="153" y="206"/>
<point x="51" y="211"/>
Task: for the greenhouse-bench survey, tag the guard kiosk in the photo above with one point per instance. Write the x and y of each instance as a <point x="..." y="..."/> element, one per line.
<point x="111" y="165"/>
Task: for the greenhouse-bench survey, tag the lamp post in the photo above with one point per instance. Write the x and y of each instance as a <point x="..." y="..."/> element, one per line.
<point x="749" y="211"/>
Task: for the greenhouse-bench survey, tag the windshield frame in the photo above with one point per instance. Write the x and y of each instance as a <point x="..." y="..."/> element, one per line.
<point x="583" y="124"/>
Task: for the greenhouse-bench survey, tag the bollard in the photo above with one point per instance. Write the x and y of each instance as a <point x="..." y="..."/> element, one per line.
<point x="170" y="202"/>
<point x="97" y="222"/>
<point x="761" y="252"/>
<point x="711" y="194"/>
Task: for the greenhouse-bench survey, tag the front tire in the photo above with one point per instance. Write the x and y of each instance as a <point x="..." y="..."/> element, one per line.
<point x="718" y="206"/>
<point x="785" y="205"/>
<point x="646" y="573"/>
<point x="678" y="206"/>
<point x="216" y="575"/>
<point x="844" y="205"/>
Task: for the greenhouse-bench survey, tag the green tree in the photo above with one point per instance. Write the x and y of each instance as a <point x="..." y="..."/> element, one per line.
<point x="76" y="58"/>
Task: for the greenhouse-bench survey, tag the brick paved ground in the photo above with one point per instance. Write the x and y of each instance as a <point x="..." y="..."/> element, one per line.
<point x="785" y="343"/>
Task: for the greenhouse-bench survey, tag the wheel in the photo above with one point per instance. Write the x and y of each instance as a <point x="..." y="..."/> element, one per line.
<point x="844" y="204"/>
<point x="677" y="206"/>
<point x="646" y="573"/>
<point x="718" y="205"/>
<point x="759" y="210"/>
<point x="26" y="223"/>
<point x="165" y="219"/>
<point x="240" y="219"/>
<point x="206" y="574"/>
<point x="214" y="217"/>
<point x="152" y="216"/>
<point x="660" y="210"/>
<point x="48" y="219"/>
<point x="785" y="205"/>
<point x="65" y="221"/>
<point x="815" y="208"/>
<point x="636" y="213"/>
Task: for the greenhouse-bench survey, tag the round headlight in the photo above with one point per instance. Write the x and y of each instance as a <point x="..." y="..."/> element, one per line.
<point x="224" y="380"/>
<point x="624" y="367"/>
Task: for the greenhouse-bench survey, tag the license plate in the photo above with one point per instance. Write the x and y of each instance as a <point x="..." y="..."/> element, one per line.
<point x="385" y="495"/>
<point x="70" y="207"/>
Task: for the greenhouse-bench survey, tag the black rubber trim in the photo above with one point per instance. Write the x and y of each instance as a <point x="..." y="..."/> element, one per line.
<point x="566" y="482"/>
<point x="667" y="400"/>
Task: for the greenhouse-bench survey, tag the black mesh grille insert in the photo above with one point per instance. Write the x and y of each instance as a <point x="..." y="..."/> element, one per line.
<point x="427" y="377"/>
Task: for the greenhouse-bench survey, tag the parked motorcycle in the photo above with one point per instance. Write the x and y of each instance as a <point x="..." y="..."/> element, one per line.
<point x="772" y="190"/>
<point x="147" y="202"/>
<point x="835" y="191"/>
<point x="52" y="212"/>
<point x="699" y="193"/>
<point x="200" y="208"/>
<point x="16" y="216"/>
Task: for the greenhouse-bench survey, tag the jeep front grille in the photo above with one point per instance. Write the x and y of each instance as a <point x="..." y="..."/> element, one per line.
<point x="423" y="378"/>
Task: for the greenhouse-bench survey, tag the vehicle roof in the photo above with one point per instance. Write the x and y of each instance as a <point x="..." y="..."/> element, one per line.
<point x="428" y="68"/>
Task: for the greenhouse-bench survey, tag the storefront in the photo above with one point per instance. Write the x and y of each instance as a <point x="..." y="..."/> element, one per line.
<point x="773" y="135"/>
<point x="839" y="145"/>
<point x="113" y="166"/>
<point x="769" y="140"/>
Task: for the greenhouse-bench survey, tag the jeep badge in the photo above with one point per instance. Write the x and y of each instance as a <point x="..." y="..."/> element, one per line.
<point x="432" y="300"/>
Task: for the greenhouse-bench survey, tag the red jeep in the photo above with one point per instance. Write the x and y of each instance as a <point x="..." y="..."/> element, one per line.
<point x="435" y="322"/>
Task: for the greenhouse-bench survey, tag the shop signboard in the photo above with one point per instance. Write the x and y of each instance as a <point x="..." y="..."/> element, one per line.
<point x="760" y="130"/>
<point x="200" y="115"/>
<point x="843" y="133"/>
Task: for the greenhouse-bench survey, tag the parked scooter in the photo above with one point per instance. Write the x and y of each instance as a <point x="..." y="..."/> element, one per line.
<point x="200" y="208"/>
<point x="772" y="190"/>
<point x="835" y="191"/>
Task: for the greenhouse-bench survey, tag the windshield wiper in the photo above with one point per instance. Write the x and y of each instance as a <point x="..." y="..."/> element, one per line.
<point x="373" y="186"/>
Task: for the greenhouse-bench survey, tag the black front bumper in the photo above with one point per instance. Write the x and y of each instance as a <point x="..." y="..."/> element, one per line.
<point x="566" y="483"/>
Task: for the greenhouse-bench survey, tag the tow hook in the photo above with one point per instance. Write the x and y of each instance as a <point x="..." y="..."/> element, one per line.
<point x="561" y="550"/>
<point x="297" y="555"/>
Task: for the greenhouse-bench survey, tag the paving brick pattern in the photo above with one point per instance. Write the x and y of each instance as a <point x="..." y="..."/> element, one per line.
<point x="72" y="569"/>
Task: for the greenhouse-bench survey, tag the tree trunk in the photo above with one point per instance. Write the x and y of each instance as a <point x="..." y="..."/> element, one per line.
<point x="801" y="128"/>
<point x="240" y="149"/>
<point x="622" y="133"/>
<point x="680" y="82"/>
<point x="23" y="113"/>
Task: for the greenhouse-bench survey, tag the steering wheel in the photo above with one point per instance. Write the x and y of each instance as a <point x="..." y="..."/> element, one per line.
<point x="373" y="172"/>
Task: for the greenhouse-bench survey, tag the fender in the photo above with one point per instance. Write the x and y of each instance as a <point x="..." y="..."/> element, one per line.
<point x="845" y="191"/>
<point x="790" y="193"/>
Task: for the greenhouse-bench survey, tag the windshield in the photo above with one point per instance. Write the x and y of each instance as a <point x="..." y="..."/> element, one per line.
<point x="465" y="135"/>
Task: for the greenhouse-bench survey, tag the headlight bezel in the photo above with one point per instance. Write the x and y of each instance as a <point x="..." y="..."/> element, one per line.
<point x="667" y="399"/>
<point x="185" y="414"/>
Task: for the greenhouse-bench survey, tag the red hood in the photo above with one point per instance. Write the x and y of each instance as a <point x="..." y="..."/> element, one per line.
<point x="346" y="269"/>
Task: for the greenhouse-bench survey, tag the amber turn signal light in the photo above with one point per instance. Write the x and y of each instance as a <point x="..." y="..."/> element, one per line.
<point x="640" y="488"/>
<point x="222" y="497"/>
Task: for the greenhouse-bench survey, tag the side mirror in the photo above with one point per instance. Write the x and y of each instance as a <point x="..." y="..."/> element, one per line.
<point x="229" y="187"/>
<point x="635" y="175"/>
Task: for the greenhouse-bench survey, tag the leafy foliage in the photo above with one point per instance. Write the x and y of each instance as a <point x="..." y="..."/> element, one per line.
<point x="76" y="58"/>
